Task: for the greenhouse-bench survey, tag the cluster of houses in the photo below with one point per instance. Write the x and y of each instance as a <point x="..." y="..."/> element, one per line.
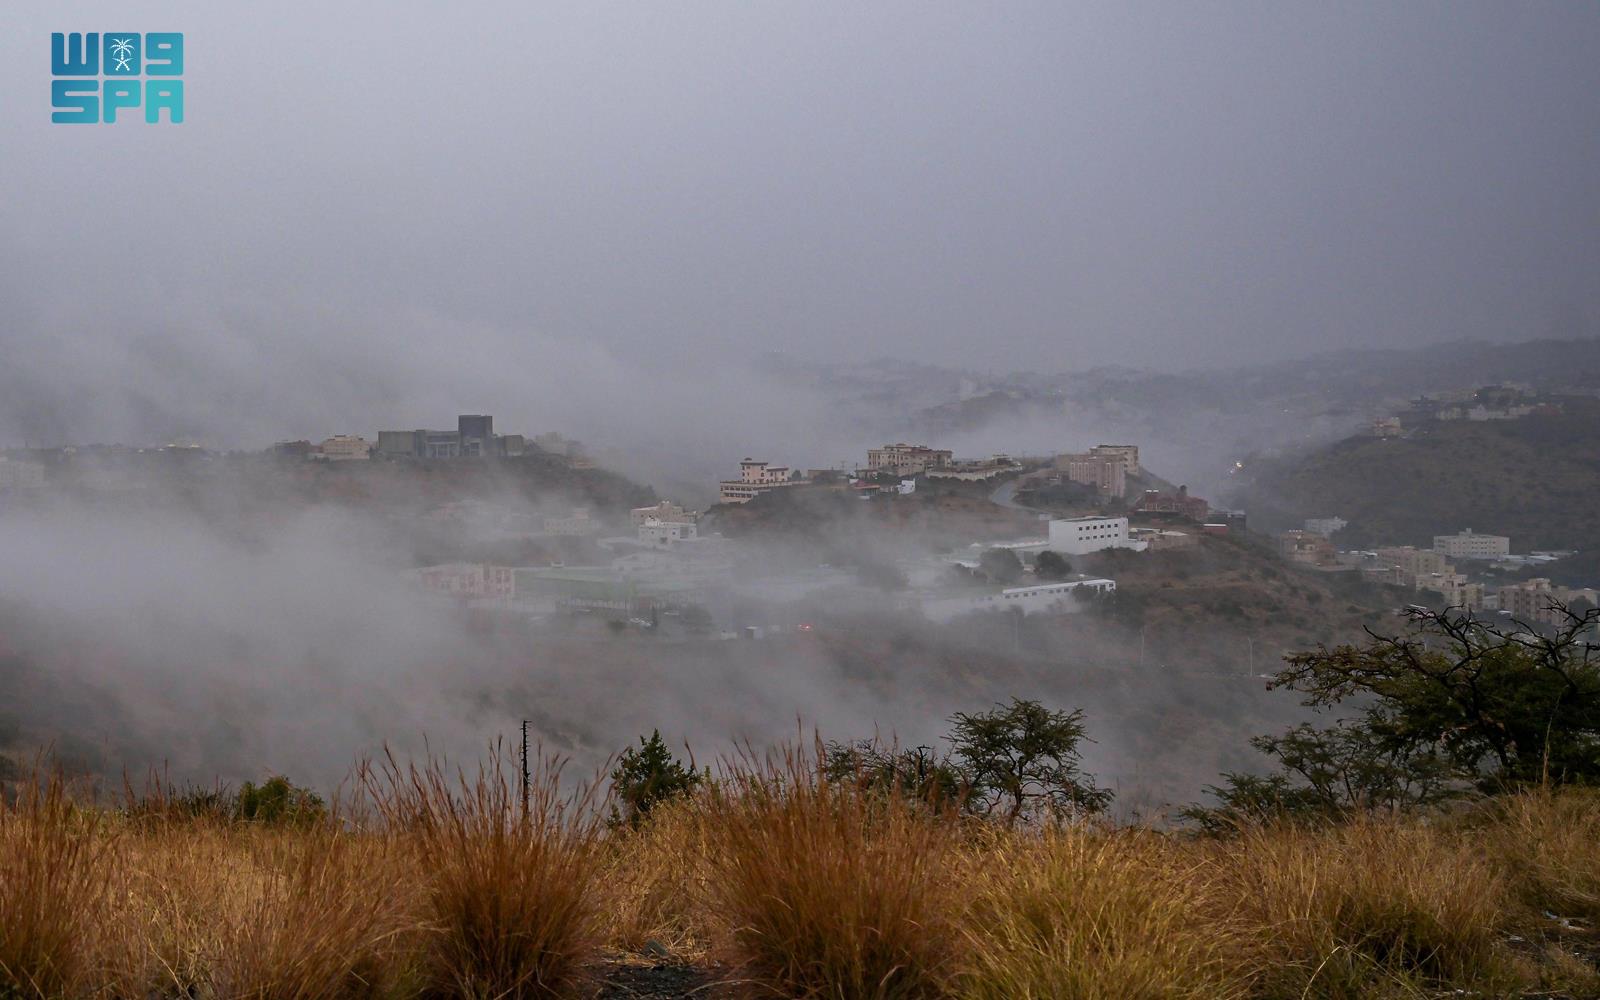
<point x="1435" y="569"/>
<point x="473" y="437"/>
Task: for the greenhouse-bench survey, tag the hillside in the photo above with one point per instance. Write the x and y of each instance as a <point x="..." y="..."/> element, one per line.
<point x="1535" y="480"/>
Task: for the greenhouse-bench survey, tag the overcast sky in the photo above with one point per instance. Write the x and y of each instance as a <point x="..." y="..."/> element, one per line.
<point x="376" y="200"/>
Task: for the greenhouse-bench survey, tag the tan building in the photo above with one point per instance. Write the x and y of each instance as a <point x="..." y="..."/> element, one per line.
<point x="1456" y="590"/>
<point x="344" y="448"/>
<point x="1307" y="547"/>
<point x="756" y="478"/>
<point x="907" y="459"/>
<point x="1411" y="561"/>
<point x="469" y="580"/>
<point x="1531" y="600"/>
<point x="1106" y="473"/>
<point x="1468" y="545"/>
<point x="1128" y="454"/>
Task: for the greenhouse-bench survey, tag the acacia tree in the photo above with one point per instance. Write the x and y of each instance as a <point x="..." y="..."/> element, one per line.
<point x="1504" y="705"/>
<point x="1022" y="759"/>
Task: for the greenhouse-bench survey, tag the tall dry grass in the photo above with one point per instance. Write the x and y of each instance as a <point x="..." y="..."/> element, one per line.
<point x="55" y="871"/>
<point x="1370" y="905"/>
<point x="1093" y="914"/>
<point x="507" y="896"/>
<point x="824" y="889"/>
<point x="806" y="889"/>
<point x="653" y="884"/>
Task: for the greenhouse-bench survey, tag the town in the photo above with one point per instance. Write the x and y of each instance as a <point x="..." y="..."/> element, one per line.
<point x="1016" y="534"/>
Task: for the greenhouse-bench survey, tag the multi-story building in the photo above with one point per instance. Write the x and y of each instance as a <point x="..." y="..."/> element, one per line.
<point x="907" y="459"/>
<point x="1181" y="503"/>
<point x="1410" y="561"/>
<point x="755" y="478"/>
<point x="476" y="432"/>
<point x="1307" y="547"/>
<point x="1469" y="545"/>
<point x="1457" y="591"/>
<point x="1534" y="600"/>
<point x="1128" y="453"/>
<point x="1106" y="473"/>
<point x="343" y="448"/>
<point x="474" y="437"/>
<point x="666" y="510"/>
<point x="469" y="580"/>
<point x="1324" y="526"/>
<point x="1081" y="535"/>
<point x="662" y="534"/>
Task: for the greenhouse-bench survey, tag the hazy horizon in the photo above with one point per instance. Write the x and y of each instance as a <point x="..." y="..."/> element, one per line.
<point x="378" y="212"/>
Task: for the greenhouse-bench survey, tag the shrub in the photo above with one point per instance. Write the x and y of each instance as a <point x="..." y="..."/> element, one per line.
<point x="1095" y="916"/>
<point x="1372" y="901"/>
<point x="508" y="894"/>
<point x="827" y="890"/>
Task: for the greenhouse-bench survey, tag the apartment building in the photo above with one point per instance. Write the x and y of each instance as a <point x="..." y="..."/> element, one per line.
<point x="343" y="448"/>
<point x="1410" y="561"/>
<point x="755" y="478"/>
<point x="1307" y="548"/>
<point x="1128" y="454"/>
<point x="1469" y="545"/>
<point x="1106" y="473"/>
<point x="907" y="459"/>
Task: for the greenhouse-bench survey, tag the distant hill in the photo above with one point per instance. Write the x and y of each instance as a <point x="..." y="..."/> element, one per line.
<point x="1536" y="479"/>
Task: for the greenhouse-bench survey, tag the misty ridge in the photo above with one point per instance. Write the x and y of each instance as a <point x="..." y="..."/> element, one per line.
<point x="213" y="630"/>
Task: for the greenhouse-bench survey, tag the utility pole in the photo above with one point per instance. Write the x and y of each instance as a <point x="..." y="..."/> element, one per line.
<point x="524" y="770"/>
<point x="1251" y="641"/>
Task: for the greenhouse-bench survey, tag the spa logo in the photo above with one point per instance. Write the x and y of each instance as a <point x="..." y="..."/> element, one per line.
<point x="99" y="74"/>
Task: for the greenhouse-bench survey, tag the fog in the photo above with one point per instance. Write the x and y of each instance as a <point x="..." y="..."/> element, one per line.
<point x="590" y="216"/>
<point x="608" y="220"/>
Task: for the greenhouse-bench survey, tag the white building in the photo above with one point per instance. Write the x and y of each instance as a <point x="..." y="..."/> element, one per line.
<point x="1468" y="545"/>
<point x="1324" y="526"/>
<point x="658" y="534"/>
<point x="1048" y="598"/>
<point x="666" y="510"/>
<point x="1076" y="536"/>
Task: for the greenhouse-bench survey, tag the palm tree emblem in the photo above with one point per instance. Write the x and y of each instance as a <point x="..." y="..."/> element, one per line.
<point x="122" y="52"/>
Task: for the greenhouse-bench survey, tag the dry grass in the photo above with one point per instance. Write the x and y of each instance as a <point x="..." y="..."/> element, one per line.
<point x="54" y="867"/>
<point x="509" y="893"/>
<point x="1549" y="843"/>
<point x="654" y="883"/>
<point x="824" y="890"/>
<point x="806" y="889"/>
<point x="1099" y="916"/>
<point x="1372" y="905"/>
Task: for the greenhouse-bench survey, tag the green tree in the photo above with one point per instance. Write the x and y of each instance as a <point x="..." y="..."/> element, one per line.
<point x="645" y="778"/>
<point x="1052" y="566"/>
<point x="1325" y="774"/>
<point x="278" y="800"/>
<point x="1503" y="706"/>
<point x="1000" y="565"/>
<point x="1022" y="760"/>
<point x="916" y="773"/>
